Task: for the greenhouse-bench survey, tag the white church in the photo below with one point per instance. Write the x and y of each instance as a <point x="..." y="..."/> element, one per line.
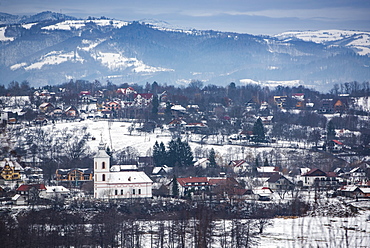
<point x="118" y="181"/>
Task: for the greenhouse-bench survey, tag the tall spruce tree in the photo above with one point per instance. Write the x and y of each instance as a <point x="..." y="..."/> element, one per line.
<point x="155" y="105"/>
<point x="179" y="153"/>
<point x="330" y="129"/>
<point x="258" y="131"/>
<point x="175" y="187"/>
<point x="159" y="154"/>
<point x="212" y="158"/>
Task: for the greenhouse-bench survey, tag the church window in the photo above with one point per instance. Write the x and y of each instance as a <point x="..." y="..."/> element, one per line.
<point x="121" y="191"/>
<point x="116" y="192"/>
<point x="103" y="165"/>
<point x="103" y="177"/>
<point x="133" y="191"/>
<point x="139" y="191"/>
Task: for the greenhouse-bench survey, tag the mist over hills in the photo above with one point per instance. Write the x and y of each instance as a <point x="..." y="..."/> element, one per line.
<point x="51" y="48"/>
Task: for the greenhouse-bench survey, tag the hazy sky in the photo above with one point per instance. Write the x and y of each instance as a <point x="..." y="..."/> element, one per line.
<point x="245" y="16"/>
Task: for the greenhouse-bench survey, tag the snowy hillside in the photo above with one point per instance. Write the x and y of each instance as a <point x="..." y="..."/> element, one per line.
<point x="48" y="48"/>
<point x="357" y="40"/>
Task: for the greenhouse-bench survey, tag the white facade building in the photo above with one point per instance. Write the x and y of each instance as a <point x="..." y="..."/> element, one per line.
<point x="118" y="181"/>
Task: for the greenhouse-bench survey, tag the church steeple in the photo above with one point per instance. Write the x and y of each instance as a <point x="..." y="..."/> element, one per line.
<point x="101" y="144"/>
<point x="101" y="168"/>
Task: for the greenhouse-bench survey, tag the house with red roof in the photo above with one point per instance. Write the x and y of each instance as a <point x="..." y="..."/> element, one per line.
<point x="28" y="193"/>
<point x="240" y="166"/>
<point x="206" y="185"/>
<point x="143" y="99"/>
<point x="113" y="105"/>
<point x="192" y="185"/>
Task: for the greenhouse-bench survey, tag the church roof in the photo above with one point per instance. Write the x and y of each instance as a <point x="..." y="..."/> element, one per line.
<point x="128" y="177"/>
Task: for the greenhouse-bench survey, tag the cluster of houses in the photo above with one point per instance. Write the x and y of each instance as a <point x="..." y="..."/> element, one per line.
<point x="106" y="181"/>
<point x="325" y="106"/>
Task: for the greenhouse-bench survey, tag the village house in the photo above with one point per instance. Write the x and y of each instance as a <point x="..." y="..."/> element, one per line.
<point x="262" y="193"/>
<point x="55" y="193"/>
<point x="226" y="186"/>
<point x="320" y="179"/>
<point x="112" y="106"/>
<point x="118" y="181"/>
<point x="11" y="172"/>
<point x="203" y="186"/>
<point x="161" y="171"/>
<point x="191" y="185"/>
<point x="354" y="191"/>
<point x="196" y="127"/>
<point x="86" y="97"/>
<point x="46" y="107"/>
<point x="267" y="171"/>
<point x="240" y="166"/>
<point x="28" y="194"/>
<point x="357" y="176"/>
<point x="202" y="162"/>
<point x="71" y="112"/>
<point x="177" y="123"/>
<point x="33" y="174"/>
<point x="56" y="113"/>
<point x="279" y="182"/>
<point x="75" y="176"/>
<point x="280" y="101"/>
<point x="143" y="99"/>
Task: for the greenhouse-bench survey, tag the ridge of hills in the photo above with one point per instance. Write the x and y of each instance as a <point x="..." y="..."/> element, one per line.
<point x="51" y="48"/>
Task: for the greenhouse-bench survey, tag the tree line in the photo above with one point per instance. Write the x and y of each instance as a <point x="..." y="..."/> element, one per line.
<point x="137" y="223"/>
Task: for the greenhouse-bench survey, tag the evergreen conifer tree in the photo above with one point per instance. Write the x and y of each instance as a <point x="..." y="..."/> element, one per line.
<point x="212" y="158"/>
<point x="155" y="105"/>
<point x="159" y="154"/>
<point x="258" y="131"/>
<point x="330" y="129"/>
<point x="175" y="187"/>
<point x="179" y="153"/>
<point x="156" y="155"/>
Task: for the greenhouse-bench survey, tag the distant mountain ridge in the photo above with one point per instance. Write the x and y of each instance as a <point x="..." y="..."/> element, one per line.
<point x="6" y="19"/>
<point x="51" y="48"/>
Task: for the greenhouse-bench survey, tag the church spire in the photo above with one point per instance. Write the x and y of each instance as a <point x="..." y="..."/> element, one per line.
<point x="101" y="144"/>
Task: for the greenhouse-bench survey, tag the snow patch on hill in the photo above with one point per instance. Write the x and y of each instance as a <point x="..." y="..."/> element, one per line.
<point x="2" y="35"/>
<point x="271" y="83"/>
<point x="52" y="58"/>
<point x="87" y="45"/>
<point x="357" y="40"/>
<point x="29" y="25"/>
<point x="77" y="24"/>
<point x="116" y="61"/>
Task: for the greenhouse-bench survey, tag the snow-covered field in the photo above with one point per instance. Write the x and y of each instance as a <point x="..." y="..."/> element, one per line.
<point x="117" y="136"/>
<point x="318" y="232"/>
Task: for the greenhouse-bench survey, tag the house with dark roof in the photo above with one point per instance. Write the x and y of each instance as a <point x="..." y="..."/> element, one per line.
<point x="206" y="185"/>
<point x="71" y="112"/>
<point x="279" y="182"/>
<point x="318" y="178"/>
<point x="354" y="191"/>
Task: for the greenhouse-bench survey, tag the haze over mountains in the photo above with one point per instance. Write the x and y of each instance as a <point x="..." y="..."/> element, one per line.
<point x="51" y="48"/>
